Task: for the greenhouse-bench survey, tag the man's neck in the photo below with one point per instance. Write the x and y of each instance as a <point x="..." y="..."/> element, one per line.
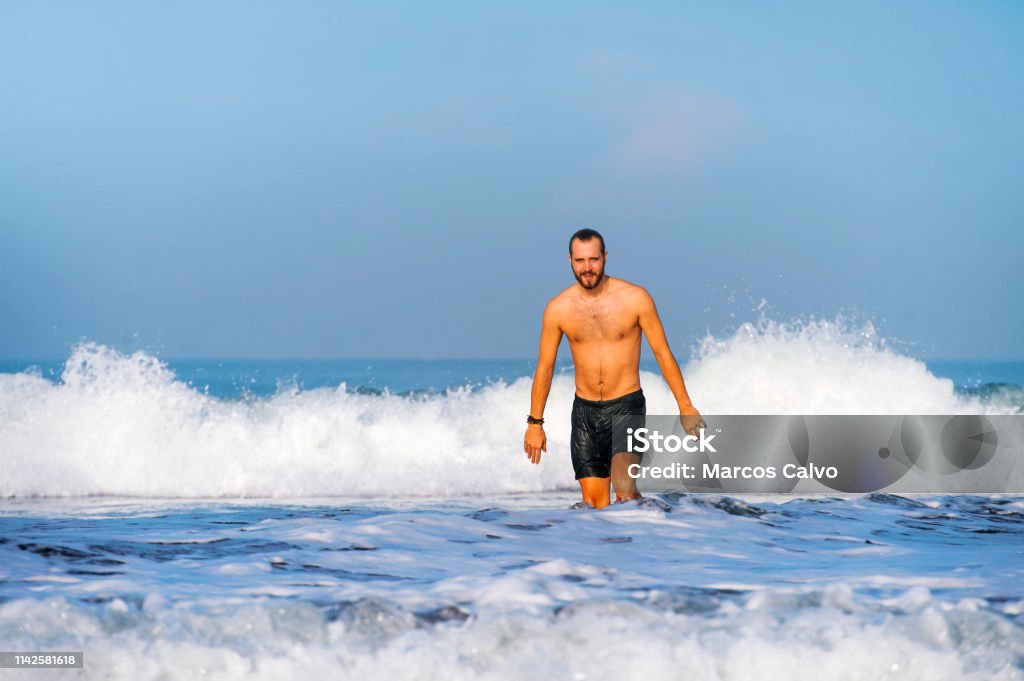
<point x="596" y="292"/>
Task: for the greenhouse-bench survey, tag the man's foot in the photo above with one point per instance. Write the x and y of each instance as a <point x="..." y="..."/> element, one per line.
<point x="580" y="505"/>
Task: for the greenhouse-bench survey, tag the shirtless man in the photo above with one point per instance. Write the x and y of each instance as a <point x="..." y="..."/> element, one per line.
<point x="603" y="317"/>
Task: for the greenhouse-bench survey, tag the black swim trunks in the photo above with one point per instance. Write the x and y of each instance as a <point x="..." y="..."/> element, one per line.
<point x="599" y="431"/>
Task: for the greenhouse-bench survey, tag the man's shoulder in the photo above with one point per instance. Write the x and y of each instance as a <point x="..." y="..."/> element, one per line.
<point x="562" y="297"/>
<point x="564" y="294"/>
<point x="634" y="293"/>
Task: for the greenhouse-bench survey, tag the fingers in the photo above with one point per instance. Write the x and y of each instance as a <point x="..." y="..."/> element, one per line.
<point x="533" y="453"/>
<point x="534" y="443"/>
<point x="696" y="427"/>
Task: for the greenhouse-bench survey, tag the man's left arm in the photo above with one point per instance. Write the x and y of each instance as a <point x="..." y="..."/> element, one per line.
<point x="651" y="325"/>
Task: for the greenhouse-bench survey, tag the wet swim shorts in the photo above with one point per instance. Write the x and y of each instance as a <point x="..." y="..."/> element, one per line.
<point x="594" y="440"/>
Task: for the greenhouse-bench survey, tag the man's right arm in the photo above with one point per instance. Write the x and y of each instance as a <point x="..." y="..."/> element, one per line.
<point x="536" y="440"/>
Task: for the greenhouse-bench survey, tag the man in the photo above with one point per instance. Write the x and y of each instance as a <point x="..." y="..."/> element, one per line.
<point x="603" y="318"/>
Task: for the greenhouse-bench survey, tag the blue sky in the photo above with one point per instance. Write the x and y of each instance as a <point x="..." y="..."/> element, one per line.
<point x="257" y="179"/>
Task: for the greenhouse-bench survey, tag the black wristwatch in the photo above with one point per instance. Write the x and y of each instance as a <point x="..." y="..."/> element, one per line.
<point x="534" y="422"/>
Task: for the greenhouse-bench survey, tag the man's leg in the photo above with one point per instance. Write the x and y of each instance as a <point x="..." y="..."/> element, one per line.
<point x="625" y="484"/>
<point x="629" y="413"/>
<point x="595" y="491"/>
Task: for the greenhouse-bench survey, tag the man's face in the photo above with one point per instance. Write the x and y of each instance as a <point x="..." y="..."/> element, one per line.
<point x="587" y="262"/>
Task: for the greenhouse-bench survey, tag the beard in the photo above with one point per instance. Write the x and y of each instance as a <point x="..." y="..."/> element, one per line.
<point x="598" y="276"/>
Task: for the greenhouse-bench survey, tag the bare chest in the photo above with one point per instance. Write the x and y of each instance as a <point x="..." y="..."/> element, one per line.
<point x="597" y="322"/>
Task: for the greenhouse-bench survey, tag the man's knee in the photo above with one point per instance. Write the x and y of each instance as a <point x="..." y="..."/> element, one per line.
<point x="624" y="483"/>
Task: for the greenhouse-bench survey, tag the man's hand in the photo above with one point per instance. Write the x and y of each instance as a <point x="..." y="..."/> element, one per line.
<point x="692" y="420"/>
<point x="535" y="442"/>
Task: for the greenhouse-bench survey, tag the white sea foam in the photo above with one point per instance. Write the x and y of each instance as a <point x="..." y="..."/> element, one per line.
<point x="375" y="640"/>
<point x="707" y="588"/>
<point x="817" y="367"/>
<point x="126" y="425"/>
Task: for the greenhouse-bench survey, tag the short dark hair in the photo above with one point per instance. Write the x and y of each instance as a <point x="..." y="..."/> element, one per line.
<point x="586" y="234"/>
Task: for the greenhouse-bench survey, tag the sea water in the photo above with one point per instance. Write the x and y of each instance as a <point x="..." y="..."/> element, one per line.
<point x="378" y="519"/>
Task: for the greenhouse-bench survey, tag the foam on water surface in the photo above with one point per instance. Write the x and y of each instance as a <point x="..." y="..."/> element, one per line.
<point x="711" y="588"/>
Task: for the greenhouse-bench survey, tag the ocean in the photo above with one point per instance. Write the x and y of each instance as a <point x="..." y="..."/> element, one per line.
<point x="365" y="519"/>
